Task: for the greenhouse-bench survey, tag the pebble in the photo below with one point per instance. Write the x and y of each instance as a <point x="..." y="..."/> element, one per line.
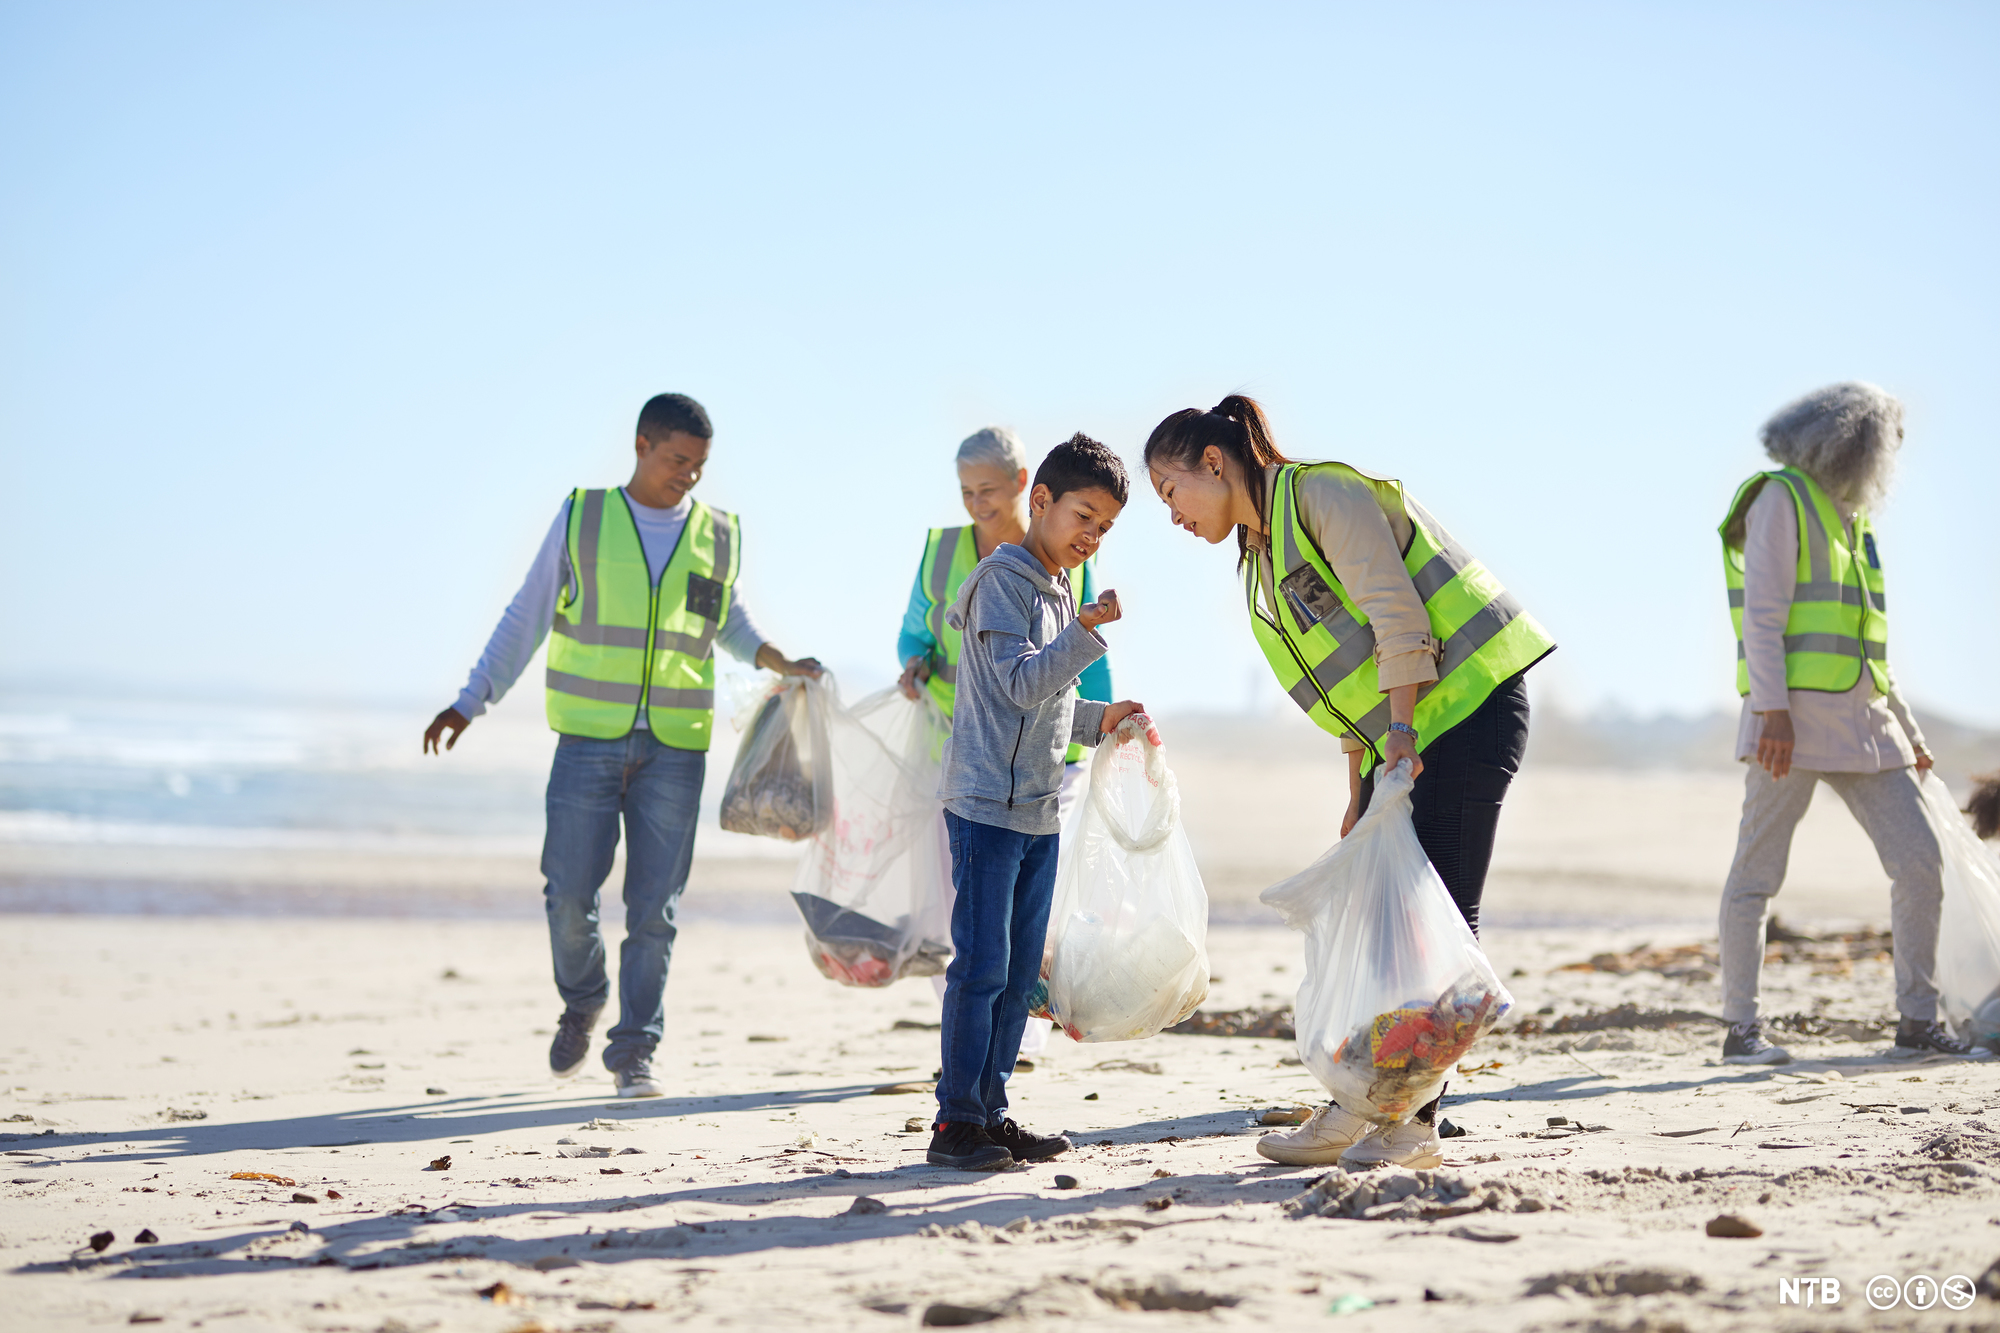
<point x="1734" y="1226"/>
<point x="146" y="1237"/>
<point x="1067" y="1182"/>
<point x="863" y="1206"/>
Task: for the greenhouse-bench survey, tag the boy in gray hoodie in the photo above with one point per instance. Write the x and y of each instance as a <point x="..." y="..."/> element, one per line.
<point x="1026" y="643"/>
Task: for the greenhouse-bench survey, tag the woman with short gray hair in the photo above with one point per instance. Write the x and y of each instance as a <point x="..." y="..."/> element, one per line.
<point x="1820" y="704"/>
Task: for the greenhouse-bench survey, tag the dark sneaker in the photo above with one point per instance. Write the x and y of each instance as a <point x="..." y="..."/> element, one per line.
<point x="1915" y="1037"/>
<point x="572" y="1044"/>
<point x="1025" y="1145"/>
<point x="1745" y="1045"/>
<point x="967" y="1147"/>
<point x="636" y="1079"/>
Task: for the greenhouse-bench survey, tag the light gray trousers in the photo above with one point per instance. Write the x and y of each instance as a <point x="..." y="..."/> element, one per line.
<point x="1890" y="808"/>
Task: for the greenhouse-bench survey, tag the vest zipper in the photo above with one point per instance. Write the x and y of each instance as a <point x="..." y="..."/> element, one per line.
<point x="1278" y="628"/>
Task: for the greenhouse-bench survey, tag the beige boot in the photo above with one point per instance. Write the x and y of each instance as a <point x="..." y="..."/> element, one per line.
<point x="1412" y="1144"/>
<point x="1319" y="1141"/>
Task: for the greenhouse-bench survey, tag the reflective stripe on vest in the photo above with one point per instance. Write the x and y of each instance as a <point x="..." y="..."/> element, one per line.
<point x="1322" y="648"/>
<point x="618" y="642"/>
<point x="1838" y="619"/>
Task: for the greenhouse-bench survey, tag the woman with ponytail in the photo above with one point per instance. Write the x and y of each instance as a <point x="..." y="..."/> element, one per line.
<point x="1392" y="637"/>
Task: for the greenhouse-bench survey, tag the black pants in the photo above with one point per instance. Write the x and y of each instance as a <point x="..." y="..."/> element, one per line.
<point x="1456" y="803"/>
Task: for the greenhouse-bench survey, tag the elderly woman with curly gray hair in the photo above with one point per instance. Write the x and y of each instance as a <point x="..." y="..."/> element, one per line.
<point x="1820" y="703"/>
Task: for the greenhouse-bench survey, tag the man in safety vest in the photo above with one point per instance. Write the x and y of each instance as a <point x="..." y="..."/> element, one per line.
<point x="638" y="584"/>
<point x="1804" y="575"/>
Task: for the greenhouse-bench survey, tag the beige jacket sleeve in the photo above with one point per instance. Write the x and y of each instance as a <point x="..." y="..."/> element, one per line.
<point x="1364" y="544"/>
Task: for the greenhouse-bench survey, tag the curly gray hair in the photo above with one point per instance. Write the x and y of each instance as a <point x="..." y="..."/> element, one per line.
<point x="994" y="446"/>
<point x="1844" y="437"/>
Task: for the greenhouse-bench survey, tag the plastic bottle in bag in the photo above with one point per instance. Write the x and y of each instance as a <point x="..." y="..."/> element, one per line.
<point x="1128" y="930"/>
<point x="1968" y="948"/>
<point x="874" y="887"/>
<point x="777" y="787"/>
<point x="1396" y="989"/>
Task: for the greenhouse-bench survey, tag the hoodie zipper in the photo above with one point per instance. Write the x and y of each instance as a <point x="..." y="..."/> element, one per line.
<point x="1011" y="761"/>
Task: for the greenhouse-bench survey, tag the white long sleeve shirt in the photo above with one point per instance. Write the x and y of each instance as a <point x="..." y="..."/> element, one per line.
<point x="526" y="621"/>
<point x="1858" y="731"/>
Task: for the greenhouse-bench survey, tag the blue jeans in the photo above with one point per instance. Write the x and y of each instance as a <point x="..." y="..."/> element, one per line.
<point x="658" y="790"/>
<point x="999" y="924"/>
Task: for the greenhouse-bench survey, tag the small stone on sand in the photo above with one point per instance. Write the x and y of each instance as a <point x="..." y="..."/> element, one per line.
<point x="1732" y="1225"/>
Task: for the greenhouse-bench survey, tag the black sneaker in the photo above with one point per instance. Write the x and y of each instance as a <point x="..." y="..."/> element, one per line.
<point x="572" y="1044"/>
<point x="1914" y="1037"/>
<point x="635" y="1079"/>
<point x="967" y="1147"/>
<point x="1026" y="1145"/>
<point x="1745" y="1045"/>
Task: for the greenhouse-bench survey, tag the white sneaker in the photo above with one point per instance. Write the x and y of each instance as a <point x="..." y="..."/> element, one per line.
<point x="1412" y="1144"/>
<point x="1319" y="1141"/>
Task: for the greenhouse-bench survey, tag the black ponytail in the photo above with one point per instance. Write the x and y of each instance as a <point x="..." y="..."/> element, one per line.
<point x="1237" y="427"/>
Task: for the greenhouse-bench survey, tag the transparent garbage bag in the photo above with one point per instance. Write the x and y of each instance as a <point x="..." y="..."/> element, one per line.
<point x="778" y="786"/>
<point x="1396" y="988"/>
<point x="874" y="885"/>
<point x="1968" y="948"/>
<point x="1128" y="930"/>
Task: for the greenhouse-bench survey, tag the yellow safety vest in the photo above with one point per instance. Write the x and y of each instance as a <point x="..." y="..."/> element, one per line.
<point x="1322" y="649"/>
<point x="619" y="640"/>
<point x="1839" y="617"/>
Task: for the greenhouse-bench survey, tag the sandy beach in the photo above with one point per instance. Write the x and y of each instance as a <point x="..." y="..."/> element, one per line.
<point x="342" y="1011"/>
<point x="420" y="1170"/>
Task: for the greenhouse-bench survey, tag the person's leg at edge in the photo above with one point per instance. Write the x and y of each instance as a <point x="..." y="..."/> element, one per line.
<point x="1455" y="805"/>
<point x="577" y="850"/>
<point x="662" y="801"/>
<point x="1028" y="930"/>
<point x="1889" y="806"/>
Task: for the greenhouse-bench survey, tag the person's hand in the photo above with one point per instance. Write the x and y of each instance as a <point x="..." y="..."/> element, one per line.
<point x="916" y="672"/>
<point x="449" y="720"/>
<point x="771" y="659"/>
<point x="1775" y="742"/>
<point x="1353" y="815"/>
<point x="1102" y="611"/>
<point x="1114" y="714"/>
<point x="1924" y="761"/>
<point x="1396" y="747"/>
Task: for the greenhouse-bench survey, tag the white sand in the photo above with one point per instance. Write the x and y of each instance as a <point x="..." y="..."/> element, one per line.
<point x="309" y="1048"/>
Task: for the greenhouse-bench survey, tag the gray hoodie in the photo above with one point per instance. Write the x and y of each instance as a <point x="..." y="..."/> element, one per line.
<point x="1017" y="710"/>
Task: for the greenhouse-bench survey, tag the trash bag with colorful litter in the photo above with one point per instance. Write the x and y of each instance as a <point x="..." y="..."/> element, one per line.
<point x="874" y="885"/>
<point x="1396" y="988"/>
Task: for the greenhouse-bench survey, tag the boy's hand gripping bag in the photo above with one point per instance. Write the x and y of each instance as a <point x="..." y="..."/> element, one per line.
<point x="874" y="885"/>
<point x="1968" y="947"/>
<point x="1128" y="930"/>
<point x="778" y="786"/>
<point x="1396" y="989"/>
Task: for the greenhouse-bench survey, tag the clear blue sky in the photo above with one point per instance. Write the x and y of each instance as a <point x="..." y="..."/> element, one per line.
<point x="312" y="313"/>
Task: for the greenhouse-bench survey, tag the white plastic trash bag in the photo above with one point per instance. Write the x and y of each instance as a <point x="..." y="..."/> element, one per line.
<point x="1396" y="988"/>
<point x="777" y="787"/>
<point x="874" y="886"/>
<point x="1968" y="948"/>
<point x="1128" y="931"/>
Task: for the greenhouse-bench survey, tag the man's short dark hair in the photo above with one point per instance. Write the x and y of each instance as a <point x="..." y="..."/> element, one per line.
<point x="1079" y="464"/>
<point x="669" y="412"/>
